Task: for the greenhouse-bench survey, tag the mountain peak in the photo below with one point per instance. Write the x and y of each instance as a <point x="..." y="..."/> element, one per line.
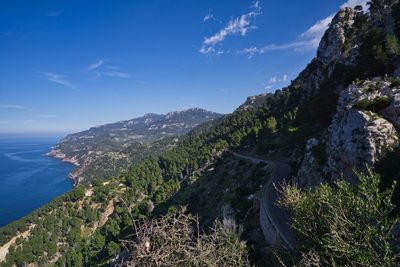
<point x="334" y="40"/>
<point x="190" y="110"/>
<point x="147" y="115"/>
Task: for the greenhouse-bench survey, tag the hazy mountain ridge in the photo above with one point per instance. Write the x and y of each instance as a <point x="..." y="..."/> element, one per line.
<point x="119" y="142"/>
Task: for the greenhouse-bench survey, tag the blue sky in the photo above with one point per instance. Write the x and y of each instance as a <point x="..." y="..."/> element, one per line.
<point x="69" y="65"/>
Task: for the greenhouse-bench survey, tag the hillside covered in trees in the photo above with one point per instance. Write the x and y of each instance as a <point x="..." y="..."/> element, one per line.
<point x="105" y="150"/>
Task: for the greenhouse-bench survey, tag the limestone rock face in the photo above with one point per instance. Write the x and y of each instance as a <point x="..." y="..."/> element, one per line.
<point x="358" y="138"/>
<point x="370" y="90"/>
<point x="309" y="175"/>
<point x="393" y="111"/>
<point x="332" y="44"/>
<point x="330" y="51"/>
<point x="367" y="113"/>
<point x="254" y="101"/>
<point x="336" y="46"/>
<point x="311" y="78"/>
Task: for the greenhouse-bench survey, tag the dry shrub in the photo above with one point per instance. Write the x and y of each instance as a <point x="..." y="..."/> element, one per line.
<point x="176" y="240"/>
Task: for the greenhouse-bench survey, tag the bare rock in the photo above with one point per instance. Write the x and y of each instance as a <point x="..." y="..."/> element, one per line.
<point x="254" y="101"/>
<point x="358" y="138"/>
<point x="332" y="44"/>
<point x="309" y="174"/>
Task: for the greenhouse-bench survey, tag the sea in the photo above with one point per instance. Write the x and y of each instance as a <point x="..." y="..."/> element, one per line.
<point x="28" y="178"/>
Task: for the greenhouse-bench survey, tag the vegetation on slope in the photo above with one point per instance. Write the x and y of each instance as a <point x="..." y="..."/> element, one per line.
<point x="78" y="229"/>
<point x="343" y="225"/>
<point x="104" y="151"/>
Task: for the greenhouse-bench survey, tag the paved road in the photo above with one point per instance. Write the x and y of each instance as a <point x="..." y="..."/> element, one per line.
<point x="278" y="216"/>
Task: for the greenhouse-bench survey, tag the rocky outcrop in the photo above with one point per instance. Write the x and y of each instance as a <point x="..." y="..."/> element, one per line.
<point x="254" y="101"/>
<point x="332" y="44"/>
<point x="359" y="138"/>
<point x="56" y="153"/>
<point x="362" y="131"/>
<point x="331" y="50"/>
<point x="392" y="112"/>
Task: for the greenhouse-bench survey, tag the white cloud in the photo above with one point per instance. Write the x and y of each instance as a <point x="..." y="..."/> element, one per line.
<point x="251" y="51"/>
<point x="112" y="67"/>
<point x="56" y="78"/>
<point x="275" y="79"/>
<point x="102" y="68"/>
<point x="46" y="115"/>
<point x="308" y="40"/>
<point x="236" y="26"/>
<point x="12" y="106"/>
<point x="96" y="65"/>
<point x="314" y="34"/>
<point x="272" y="80"/>
<point x="118" y="74"/>
<point x="208" y="16"/>
<point x="268" y="87"/>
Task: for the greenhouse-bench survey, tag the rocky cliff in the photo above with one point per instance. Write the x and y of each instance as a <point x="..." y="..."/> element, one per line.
<point x="359" y="52"/>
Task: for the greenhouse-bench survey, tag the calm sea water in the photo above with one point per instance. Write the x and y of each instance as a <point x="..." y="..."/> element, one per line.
<point x="28" y="179"/>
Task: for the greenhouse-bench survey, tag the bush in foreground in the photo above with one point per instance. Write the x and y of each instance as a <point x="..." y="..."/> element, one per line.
<point x="344" y="224"/>
<point x="175" y="240"/>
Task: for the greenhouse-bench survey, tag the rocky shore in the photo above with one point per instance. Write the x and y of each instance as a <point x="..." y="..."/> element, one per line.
<point x="57" y="154"/>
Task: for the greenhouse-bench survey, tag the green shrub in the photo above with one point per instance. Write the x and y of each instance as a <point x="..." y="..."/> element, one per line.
<point x="112" y="248"/>
<point x="271" y="124"/>
<point x="343" y="225"/>
<point x="362" y="104"/>
<point x="346" y="45"/>
<point x="373" y="88"/>
<point x="377" y="52"/>
<point x="375" y="105"/>
<point x="394" y="82"/>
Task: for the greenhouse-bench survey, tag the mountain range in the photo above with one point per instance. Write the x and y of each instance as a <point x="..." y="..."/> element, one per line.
<point x="105" y="150"/>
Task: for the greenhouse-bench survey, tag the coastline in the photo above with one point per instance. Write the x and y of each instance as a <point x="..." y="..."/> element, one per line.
<point x="57" y="154"/>
<point x="31" y="178"/>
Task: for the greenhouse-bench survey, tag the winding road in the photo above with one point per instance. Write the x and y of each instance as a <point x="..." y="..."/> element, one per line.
<point x="278" y="216"/>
